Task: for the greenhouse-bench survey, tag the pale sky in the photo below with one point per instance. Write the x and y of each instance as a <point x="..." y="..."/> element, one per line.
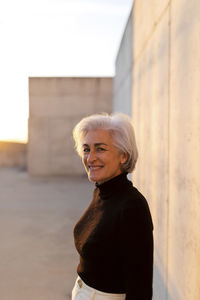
<point x="53" y="38"/>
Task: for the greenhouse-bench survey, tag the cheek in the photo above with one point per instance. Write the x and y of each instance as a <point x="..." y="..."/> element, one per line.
<point x="112" y="161"/>
<point x="116" y="162"/>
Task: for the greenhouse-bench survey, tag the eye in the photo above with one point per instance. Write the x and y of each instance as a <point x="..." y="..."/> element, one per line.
<point x="86" y="150"/>
<point x="100" y="149"/>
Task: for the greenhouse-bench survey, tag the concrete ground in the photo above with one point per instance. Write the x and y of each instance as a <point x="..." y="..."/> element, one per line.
<point x="37" y="215"/>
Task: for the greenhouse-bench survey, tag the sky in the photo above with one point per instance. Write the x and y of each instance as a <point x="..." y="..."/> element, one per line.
<point x="53" y="38"/>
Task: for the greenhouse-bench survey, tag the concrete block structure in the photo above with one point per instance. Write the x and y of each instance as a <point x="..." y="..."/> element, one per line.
<point x="56" y="105"/>
<point x="165" y="100"/>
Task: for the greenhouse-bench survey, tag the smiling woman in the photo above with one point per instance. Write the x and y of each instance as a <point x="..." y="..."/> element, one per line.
<point x="114" y="236"/>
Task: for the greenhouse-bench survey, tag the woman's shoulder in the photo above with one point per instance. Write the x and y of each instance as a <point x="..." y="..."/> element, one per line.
<point x="133" y="197"/>
<point x="135" y="206"/>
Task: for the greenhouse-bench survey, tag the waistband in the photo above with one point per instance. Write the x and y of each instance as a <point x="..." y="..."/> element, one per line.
<point x="83" y="285"/>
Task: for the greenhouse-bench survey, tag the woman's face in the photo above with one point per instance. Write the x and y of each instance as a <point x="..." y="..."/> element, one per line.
<point x="100" y="157"/>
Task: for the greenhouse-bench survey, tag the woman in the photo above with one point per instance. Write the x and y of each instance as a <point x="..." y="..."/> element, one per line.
<point x="114" y="236"/>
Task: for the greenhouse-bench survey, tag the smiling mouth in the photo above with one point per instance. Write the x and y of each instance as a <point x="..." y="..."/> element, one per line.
<point x="94" y="168"/>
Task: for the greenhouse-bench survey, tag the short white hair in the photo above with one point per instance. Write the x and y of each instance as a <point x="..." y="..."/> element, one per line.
<point x="121" y="130"/>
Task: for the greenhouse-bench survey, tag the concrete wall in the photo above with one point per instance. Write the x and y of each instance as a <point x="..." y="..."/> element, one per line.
<point x="123" y="68"/>
<point x="166" y="115"/>
<point x="13" y="154"/>
<point x="56" y="105"/>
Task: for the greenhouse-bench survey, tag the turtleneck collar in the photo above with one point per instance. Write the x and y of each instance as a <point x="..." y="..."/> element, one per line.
<point x="113" y="186"/>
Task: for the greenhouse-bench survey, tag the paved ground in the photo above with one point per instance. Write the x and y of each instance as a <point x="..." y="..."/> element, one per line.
<point x="37" y="256"/>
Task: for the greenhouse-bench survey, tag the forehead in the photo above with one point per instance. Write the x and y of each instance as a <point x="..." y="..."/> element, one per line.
<point x="98" y="136"/>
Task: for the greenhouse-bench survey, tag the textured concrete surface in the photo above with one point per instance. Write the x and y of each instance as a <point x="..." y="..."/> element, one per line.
<point x="150" y="115"/>
<point x="55" y="106"/>
<point x="166" y="115"/>
<point x="146" y="15"/>
<point x="184" y="149"/>
<point x="37" y="215"/>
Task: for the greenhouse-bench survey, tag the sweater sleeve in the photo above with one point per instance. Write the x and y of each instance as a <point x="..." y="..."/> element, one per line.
<point x="136" y="251"/>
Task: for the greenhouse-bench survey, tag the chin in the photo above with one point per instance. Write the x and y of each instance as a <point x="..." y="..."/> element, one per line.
<point x="93" y="178"/>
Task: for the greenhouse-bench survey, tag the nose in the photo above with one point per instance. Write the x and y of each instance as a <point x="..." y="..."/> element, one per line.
<point x="91" y="157"/>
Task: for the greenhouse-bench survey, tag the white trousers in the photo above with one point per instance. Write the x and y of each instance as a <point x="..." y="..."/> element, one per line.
<point x="82" y="291"/>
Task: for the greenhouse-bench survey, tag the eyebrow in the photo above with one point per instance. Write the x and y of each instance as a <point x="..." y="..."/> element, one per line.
<point x="96" y="144"/>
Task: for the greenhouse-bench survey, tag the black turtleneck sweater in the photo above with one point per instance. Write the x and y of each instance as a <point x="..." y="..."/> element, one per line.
<point x="115" y="241"/>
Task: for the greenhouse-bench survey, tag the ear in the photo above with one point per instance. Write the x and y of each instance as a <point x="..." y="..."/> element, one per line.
<point x="123" y="158"/>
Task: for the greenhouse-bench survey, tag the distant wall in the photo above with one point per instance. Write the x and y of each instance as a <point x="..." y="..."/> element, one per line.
<point x="122" y="100"/>
<point x="166" y="114"/>
<point x="55" y="106"/>
<point x="12" y="154"/>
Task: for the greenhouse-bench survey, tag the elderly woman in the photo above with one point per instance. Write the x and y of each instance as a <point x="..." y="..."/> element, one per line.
<point x="114" y="236"/>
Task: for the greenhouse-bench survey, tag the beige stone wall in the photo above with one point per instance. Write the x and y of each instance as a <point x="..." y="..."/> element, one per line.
<point x="166" y="116"/>
<point x="166" y="112"/>
<point x="56" y="105"/>
<point x="13" y="154"/>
